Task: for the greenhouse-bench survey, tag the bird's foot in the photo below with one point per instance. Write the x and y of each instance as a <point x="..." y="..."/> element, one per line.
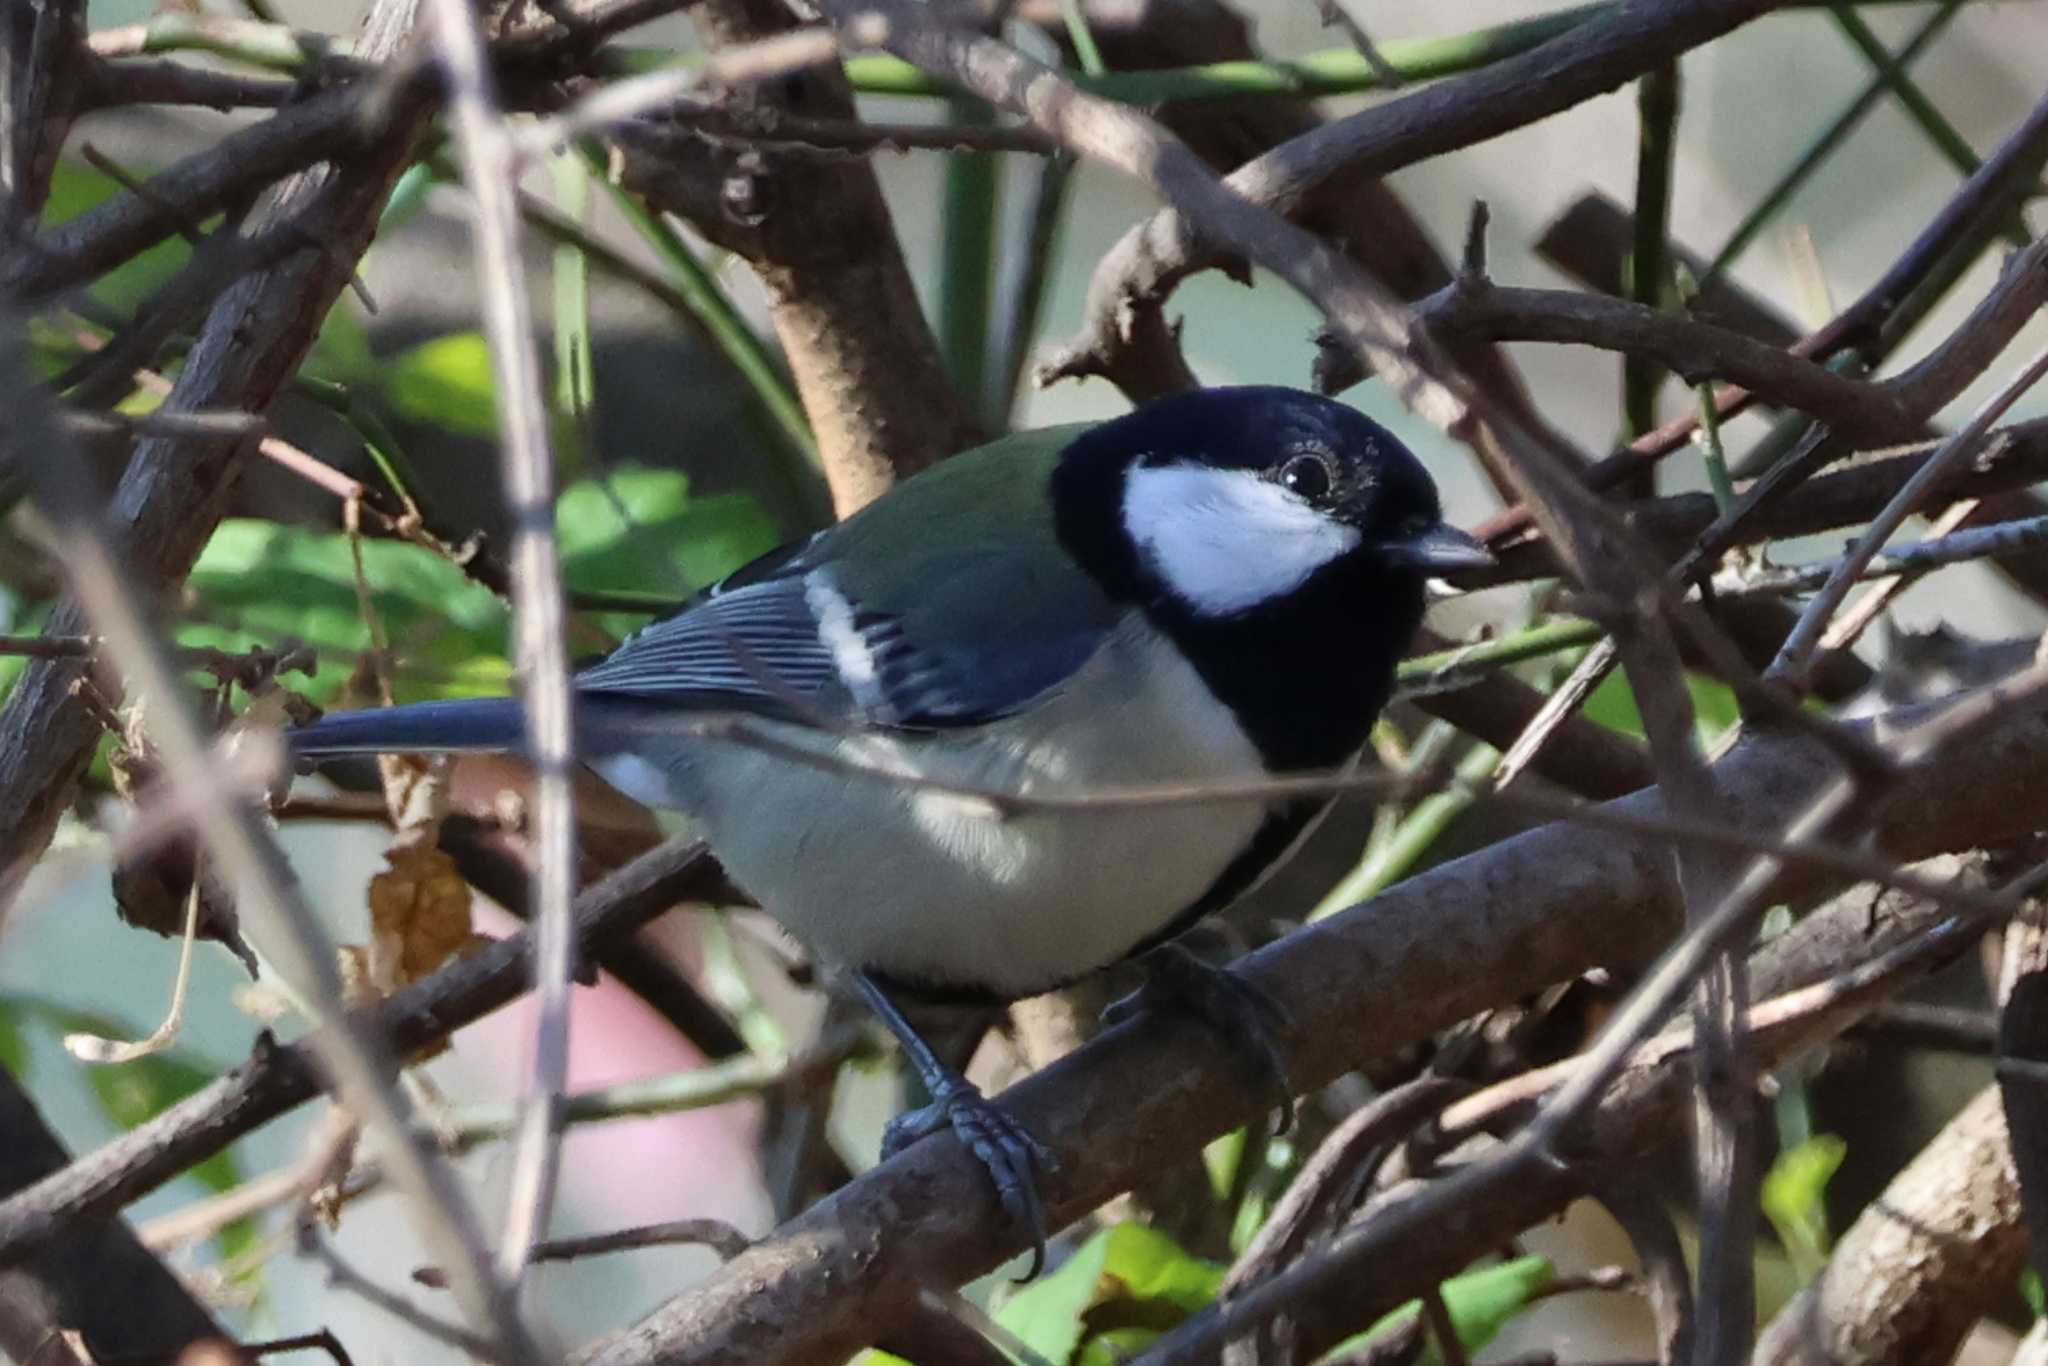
<point x="1249" y="1018"/>
<point x="1005" y="1149"/>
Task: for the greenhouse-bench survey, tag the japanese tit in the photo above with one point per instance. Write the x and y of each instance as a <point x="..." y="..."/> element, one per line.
<point x="1212" y="589"/>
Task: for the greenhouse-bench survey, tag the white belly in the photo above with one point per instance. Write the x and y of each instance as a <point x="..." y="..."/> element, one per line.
<point x="927" y="888"/>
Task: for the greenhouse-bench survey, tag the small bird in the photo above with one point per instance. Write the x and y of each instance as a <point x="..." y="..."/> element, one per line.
<point x="1212" y="589"/>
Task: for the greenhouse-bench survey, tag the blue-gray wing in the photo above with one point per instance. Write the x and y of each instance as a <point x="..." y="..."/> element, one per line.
<point x="800" y="645"/>
<point x="948" y="603"/>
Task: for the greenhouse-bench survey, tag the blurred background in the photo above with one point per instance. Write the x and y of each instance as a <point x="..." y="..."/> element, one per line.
<point x="1751" y="104"/>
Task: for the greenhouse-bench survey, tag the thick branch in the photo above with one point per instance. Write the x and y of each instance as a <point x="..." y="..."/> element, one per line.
<point x="824" y="244"/>
<point x="64" y="1285"/>
<point x="1937" y="1251"/>
<point x="1695" y="351"/>
<point x="1486" y="928"/>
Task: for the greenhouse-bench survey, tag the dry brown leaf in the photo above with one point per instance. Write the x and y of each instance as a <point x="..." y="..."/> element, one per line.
<point x="419" y="915"/>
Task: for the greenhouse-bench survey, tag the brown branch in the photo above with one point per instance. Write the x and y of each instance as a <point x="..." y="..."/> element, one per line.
<point x="1972" y="212"/>
<point x="328" y="125"/>
<point x="1478" y="309"/>
<point x="45" y="50"/>
<point x="175" y="489"/>
<point x="2019" y="458"/>
<point x="64" y="1284"/>
<point x="1643" y="1106"/>
<point x="1134" y="279"/>
<point x="1939" y="1249"/>
<point x="112" y="84"/>
<point x="1433" y="950"/>
<point x="2023" y="1044"/>
<point x="277" y="1078"/>
<point x="822" y="240"/>
<point x="1583" y="756"/>
<point x="1591" y="242"/>
<point x="356" y="119"/>
<point x="1366" y="219"/>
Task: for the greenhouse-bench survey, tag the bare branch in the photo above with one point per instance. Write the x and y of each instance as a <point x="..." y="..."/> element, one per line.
<point x="1939" y="1249"/>
<point x="1794" y="658"/>
<point x="277" y="1078"/>
<point x="63" y="1285"/>
<point x="1134" y="278"/>
<point x="175" y="488"/>
<point x="820" y="237"/>
<point x="540" y="613"/>
<point x="267" y="893"/>
<point x="1433" y="950"/>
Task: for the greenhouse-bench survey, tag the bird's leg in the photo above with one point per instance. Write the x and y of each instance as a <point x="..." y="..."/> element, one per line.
<point x="1248" y="1017"/>
<point x="1010" y="1154"/>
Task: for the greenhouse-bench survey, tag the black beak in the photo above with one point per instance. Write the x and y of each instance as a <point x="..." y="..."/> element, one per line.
<point x="1440" y="550"/>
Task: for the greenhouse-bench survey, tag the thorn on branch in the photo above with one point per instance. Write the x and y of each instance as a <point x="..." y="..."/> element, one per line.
<point x="1472" y="264"/>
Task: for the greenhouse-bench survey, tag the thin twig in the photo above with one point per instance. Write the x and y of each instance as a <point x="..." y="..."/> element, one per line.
<point x="638" y="96"/>
<point x="270" y="898"/>
<point x="1795" y="658"/>
<point x="540" y="614"/>
<point x="278" y="1077"/>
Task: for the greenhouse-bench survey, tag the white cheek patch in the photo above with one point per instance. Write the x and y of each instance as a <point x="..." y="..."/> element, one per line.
<point x="1224" y="541"/>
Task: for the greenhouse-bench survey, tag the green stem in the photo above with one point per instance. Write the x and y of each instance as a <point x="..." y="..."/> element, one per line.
<point x="716" y="1083"/>
<point x="1939" y="130"/>
<point x="1027" y="281"/>
<point x="1710" y="446"/>
<point x="971" y="232"/>
<point x="1028" y="275"/>
<point x="1083" y="38"/>
<point x="1446" y="669"/>
<point x="575" y="368"/>
<point x="741" y="346"/>
<point x="1822" y="147"/>
<point x="1332" y="71"/>
<point x="1425" y="825"/>
<point x="275" y="47"/>
<point x="1657" y="123"/>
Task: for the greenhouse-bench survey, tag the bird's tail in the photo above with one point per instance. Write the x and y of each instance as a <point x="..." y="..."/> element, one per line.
<point x="472" y="723"/>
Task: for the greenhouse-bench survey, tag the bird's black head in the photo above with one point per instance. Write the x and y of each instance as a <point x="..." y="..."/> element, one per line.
<point x="1282" y="540"/>
<point x="1227" y="501"/>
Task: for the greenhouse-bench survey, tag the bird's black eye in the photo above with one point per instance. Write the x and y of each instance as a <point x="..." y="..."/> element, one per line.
<point x="1307" y="476"/>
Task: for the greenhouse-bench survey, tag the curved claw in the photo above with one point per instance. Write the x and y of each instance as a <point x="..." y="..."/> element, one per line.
<point x="1249" y="1018"/>
<point x="1005" y="1149"/>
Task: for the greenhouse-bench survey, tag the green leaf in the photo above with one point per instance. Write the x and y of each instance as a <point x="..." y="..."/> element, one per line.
<point x="1117" y="1346"/>
<point x="13" y="1047"/>
<point x="341" y="352"/>
<point x="1125" y="1279"/>
<point x="665" y="541"/>
<point x="1613" y="705"/>
<point x="408" y="196"/>
<point x="446" y="382"/>
<point x="1794" y="1196"/>
<point x="1481" y="1302"/>
<point x="2032" y="1292"/>
<point x="76" y="188"/>
<point x="259" y="583"/>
